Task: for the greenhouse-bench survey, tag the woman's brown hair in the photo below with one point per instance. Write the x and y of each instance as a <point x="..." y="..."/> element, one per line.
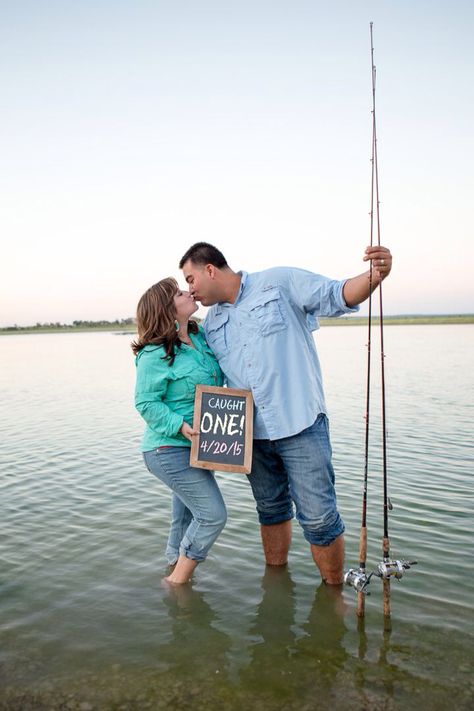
<point x="156" y="319"/>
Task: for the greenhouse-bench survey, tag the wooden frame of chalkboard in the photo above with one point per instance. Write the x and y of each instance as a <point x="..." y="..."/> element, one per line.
<point x="224" y="419"/>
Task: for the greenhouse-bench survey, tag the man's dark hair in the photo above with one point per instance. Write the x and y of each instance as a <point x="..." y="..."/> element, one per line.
<point x="203" y="253"/>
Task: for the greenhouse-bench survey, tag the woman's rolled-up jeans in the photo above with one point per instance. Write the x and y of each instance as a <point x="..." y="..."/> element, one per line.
<point x="198" y="509"/>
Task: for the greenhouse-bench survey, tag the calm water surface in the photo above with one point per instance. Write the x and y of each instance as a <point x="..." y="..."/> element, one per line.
<point x="84" y="621"/>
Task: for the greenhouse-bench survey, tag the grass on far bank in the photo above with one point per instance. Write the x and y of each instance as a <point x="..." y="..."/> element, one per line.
<point x="127" y="325"/>
<point x="415" y="319"/>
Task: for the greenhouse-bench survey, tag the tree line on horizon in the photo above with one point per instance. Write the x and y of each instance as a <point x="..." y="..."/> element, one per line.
<point x="343" y="320"/>
<point x="75" y="324"/>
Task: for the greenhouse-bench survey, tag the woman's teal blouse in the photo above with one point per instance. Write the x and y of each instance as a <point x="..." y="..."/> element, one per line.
<point x="164" y="394"/>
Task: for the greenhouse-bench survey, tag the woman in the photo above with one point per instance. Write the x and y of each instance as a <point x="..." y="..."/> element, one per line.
<point x="172" y="357"/>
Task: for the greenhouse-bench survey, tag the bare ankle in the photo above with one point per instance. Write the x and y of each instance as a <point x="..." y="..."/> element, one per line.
<point x="276" y="561"/>
<point x="176" y="581"/>
<point x="334" y="581"/>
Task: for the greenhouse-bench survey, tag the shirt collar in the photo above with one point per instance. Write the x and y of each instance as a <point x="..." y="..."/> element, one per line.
<point x="243" y="281"/>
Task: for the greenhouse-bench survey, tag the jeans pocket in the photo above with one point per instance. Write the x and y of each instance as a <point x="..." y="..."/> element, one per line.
<point x="172" y="460"/>
<point x="148" y="459"/>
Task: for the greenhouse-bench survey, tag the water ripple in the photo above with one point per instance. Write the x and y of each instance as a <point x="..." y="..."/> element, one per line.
<point x="83" y="525"/>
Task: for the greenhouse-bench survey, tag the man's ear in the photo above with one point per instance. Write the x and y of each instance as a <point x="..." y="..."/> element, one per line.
<point x="210" y="271"/>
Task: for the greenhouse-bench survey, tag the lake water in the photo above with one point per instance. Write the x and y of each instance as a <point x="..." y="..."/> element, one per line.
<point x="85" y="622"/>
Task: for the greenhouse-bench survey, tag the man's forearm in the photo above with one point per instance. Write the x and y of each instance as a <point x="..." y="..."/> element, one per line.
<point x="357" y="289"/>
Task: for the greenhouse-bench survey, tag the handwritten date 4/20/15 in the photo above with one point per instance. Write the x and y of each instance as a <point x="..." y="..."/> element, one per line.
<point x="214" y="446"/>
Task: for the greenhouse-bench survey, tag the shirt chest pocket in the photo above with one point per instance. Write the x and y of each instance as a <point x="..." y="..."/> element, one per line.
<point x="182" y="382"/>
<point x="216" y="335"/>
<point x="269" y="312"/>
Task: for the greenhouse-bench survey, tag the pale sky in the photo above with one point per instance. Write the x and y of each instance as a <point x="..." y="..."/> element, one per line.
<point x="131" y="129"/>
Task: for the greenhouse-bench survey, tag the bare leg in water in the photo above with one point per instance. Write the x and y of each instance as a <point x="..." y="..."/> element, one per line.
<point x="276" y="541"/>
<point x="329" y="559"/>
<point x="182" y="572"/>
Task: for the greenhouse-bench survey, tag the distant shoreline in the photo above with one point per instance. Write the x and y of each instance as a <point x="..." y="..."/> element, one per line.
<point x="415" y="319"/>
<point x="127" y="328"/>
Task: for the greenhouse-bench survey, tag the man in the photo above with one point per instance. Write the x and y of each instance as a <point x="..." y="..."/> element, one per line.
<point x="260" y="328"/>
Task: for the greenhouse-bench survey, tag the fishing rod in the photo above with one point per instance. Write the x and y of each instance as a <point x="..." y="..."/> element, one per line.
<point x="359" y="579"/>
<point x="387" y="568"/>
<point x="384" y="572"/>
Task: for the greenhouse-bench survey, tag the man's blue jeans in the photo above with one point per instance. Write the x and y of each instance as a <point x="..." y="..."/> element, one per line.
<point x="298" y="470"/>
<point x="198" y="509"/>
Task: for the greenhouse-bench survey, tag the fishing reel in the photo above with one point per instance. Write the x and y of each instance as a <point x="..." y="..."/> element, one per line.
<point x="357" y="579"/>
<point x="393" y="568"/>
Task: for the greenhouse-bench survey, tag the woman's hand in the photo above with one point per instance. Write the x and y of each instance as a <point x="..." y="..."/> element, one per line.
<point x="187" y="431"/>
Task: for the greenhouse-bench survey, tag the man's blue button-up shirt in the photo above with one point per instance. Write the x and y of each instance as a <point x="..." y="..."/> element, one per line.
<point x="264" y="343"/>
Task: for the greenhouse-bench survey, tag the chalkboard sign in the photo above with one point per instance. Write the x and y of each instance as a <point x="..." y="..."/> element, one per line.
<point x="224" y="418"/>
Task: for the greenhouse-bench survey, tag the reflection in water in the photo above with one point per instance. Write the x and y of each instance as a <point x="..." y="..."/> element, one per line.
<point x="384" y="662"/>
<point x="387" y="670"/>
<point x="321" y="652"/>
<point x="80" y="612"/>
<point x="197" y="650"/>
<point x="308" y="663"/>
<point x="268" y="675"/>
<point x="284" y="664"/>
<point x="369" y="675"/>
<point x="273" y="626"/>
<point x="289" y="665"/>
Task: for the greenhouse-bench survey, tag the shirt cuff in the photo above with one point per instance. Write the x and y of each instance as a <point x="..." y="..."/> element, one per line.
<point x="344" y="307"/>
